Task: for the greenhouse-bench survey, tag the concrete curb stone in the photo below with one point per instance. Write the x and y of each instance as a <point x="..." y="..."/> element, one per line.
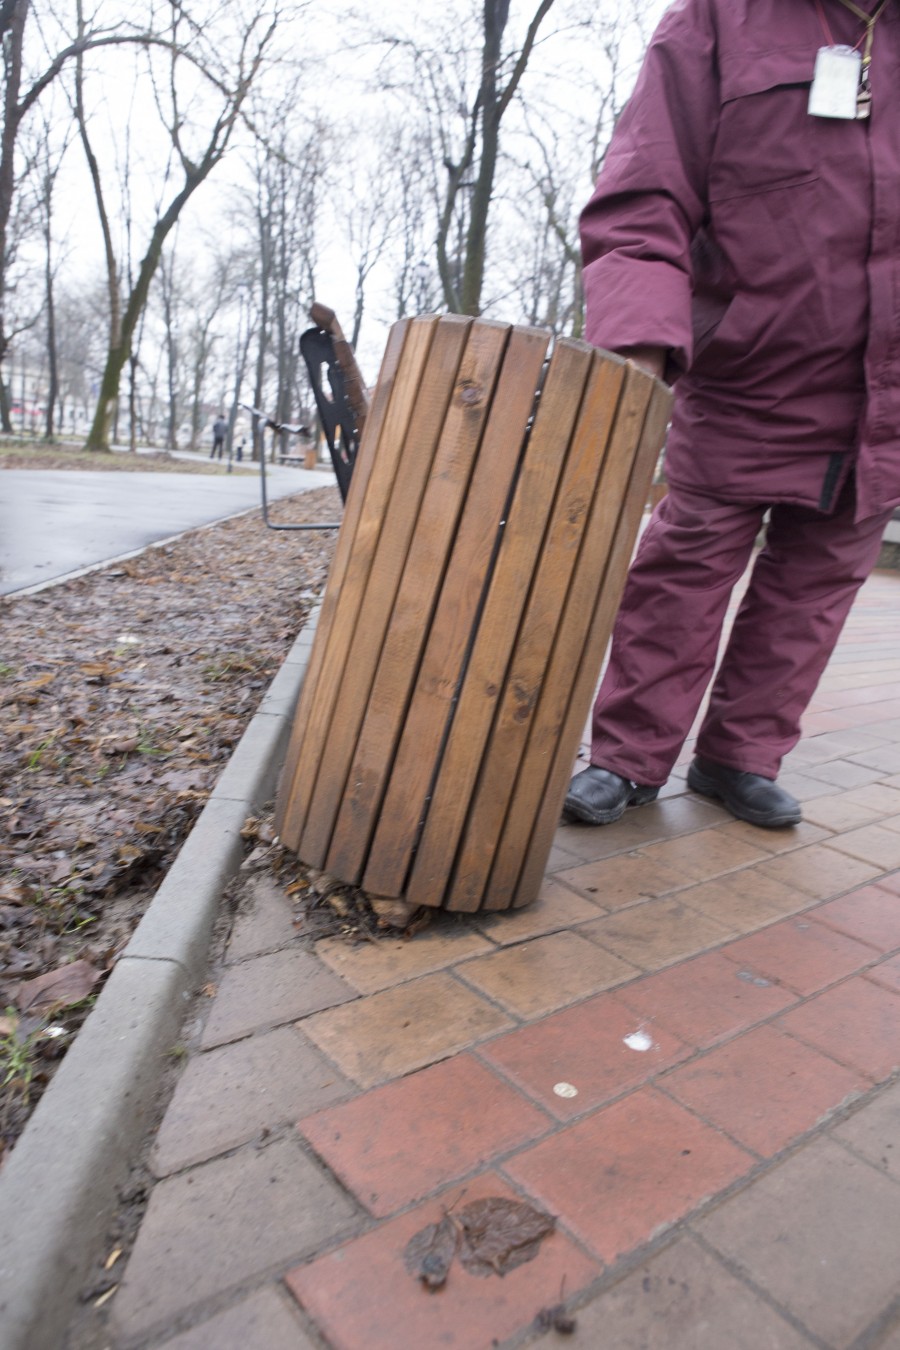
<point x="58" y="1187"/>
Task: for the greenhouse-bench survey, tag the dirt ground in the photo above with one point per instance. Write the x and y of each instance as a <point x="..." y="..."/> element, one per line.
<point x="122" y="695"/>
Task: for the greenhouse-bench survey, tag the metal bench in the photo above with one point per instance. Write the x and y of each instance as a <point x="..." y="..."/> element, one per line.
<point x="342" y="407"/>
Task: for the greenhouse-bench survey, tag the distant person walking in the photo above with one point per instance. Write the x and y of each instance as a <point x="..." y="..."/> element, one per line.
<point x="220" y="431"/>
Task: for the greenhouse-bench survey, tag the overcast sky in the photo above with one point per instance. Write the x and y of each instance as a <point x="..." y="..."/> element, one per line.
<point x="340" y="81"/>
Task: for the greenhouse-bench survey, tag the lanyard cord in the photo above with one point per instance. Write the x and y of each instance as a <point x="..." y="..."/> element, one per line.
<point x="869" y="20"/>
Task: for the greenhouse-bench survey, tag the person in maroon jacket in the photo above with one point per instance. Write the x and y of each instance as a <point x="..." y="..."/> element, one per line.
<point x="743" y="242"/>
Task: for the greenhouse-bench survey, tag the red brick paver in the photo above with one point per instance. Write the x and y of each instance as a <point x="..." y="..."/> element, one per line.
<point x="857" y="1022"/>
<point x="802" y="955"/>
<point x="631" y="1169"/>
<point x="765" y="1089"/>
<point x="872" y="915"/>
<point x="585" y="1056"/>
<point x="361" y="1295"/>
<point x="400" y="1142"/>
<point x="706" y="999"/>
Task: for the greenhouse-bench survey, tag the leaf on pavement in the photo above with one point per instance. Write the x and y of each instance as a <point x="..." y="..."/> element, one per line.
<point x="500" y="1234"/>
<point x="429" y="1253"/>
<point x="490" y="1236"/>
<point x="557" y="1318"/>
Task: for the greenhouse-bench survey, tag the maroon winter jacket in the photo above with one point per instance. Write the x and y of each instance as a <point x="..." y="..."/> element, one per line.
<point x="761" y="246"/>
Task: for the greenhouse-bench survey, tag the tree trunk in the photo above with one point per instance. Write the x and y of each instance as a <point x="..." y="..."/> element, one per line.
<point x="52" y="359"/>
<point x="265" y="277"/>
<point x="464" y="293"/>
<point x="113" y="284"/>
<point x="98" y="436"/>
<point x="13" y="42"/>
<point x="195" y="173"/>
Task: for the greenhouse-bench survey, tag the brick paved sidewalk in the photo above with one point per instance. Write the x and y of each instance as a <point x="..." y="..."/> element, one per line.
<point x="688" y="1051"/>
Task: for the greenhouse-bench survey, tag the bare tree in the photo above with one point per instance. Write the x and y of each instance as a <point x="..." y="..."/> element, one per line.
<point x="289" y="182"/>
<point x="80" y="314"/>
<point x="48" y="164"/>
<point x="559" y="150"/>
<point x="227" y="78"/>
<point x="24" y="83"/>
<point x="366" y="200"/>
<point x="170" y="297"/>
<point x="465" y="110"/>
<point x="416" y="287"/>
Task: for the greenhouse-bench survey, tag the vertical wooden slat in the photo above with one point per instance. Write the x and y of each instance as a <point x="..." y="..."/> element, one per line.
<point x="568" y="656"/>
<point x="415" y="601"/>
<point x="575" y="664"/>
<point x="461" y="594"/>
<point x="287" y="827"/>
<point x="485" y="670"/>
<point x="368" y="500"/>
<point x="363" y="645"/>
<point x="550" y="565"/>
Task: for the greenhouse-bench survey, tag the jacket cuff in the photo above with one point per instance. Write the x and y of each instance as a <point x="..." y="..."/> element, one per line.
<point x="639" y="303"/>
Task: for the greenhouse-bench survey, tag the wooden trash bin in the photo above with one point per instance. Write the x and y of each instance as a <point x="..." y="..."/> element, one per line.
<point x="492" y="514"/>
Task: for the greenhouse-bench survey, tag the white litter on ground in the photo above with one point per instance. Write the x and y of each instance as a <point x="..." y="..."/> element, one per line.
<point x="639" y="1040"/>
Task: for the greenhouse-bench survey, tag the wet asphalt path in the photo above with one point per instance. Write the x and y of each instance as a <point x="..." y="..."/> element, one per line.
<point x="54" y="523"/>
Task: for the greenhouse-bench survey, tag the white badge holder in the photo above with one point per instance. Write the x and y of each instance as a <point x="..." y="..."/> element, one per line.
<point x="836" y="82"/>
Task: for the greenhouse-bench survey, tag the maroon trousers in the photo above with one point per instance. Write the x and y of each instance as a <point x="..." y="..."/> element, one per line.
<point x="669" y="626"/>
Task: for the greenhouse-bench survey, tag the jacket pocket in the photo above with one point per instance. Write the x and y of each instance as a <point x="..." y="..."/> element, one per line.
<point x="764" y="139"/>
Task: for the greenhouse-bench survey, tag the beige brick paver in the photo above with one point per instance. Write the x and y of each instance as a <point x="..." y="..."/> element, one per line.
<point x="264" y="1320"/>
<point x="683" y="1299"/>
<point x="533" y="978"/>
<point x="391" y="1033"/>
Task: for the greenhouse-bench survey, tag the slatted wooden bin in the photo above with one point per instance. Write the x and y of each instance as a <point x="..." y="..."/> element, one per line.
<point x="494" y="506"/>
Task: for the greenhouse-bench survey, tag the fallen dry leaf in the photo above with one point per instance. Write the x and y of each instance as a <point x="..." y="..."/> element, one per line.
<point x="490" y="1236"/>
<point x="120" y="745"/>
<point x="86" y="837"/>
<point x="429" y="1253"/>
<point x="58" y="988"/>
<point x="14" y="893"/>
<point x="556" y="1318"/>
<point x="500" y="1234"/>
<point x="391" y="912"/>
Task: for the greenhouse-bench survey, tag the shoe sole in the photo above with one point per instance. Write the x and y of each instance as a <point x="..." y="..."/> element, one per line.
<point x="579" y="815"/>
<point x="698" y="781"/>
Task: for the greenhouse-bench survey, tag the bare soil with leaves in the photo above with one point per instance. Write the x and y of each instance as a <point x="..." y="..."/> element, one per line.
<point x="122" y="695"/>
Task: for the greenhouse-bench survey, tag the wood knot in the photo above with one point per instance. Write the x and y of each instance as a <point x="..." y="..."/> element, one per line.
<point x="470" y="394"/>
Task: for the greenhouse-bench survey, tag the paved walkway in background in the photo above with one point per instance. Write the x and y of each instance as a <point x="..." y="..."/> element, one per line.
<point x="53" y="522"/>
<point x="687" y="1051"/>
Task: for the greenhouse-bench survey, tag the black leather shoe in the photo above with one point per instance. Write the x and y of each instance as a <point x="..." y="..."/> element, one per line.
<point x="599" y="796"/>
<point x="748" y="796"/>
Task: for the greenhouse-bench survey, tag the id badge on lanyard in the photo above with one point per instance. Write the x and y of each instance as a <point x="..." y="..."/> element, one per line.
<point x="836" y="83"/>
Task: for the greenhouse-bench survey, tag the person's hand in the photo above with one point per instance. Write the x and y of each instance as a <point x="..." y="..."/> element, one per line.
<point x="652" y="359"/>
